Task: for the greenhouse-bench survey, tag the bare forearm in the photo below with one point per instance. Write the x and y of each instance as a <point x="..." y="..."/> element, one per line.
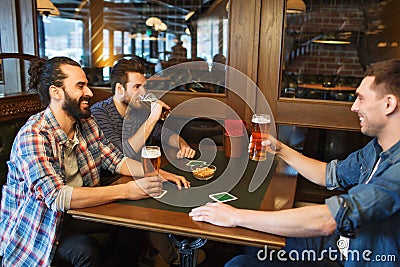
<point x="301" y="222"/>
<point x="83" y="197"/>
<point x="132" y="168"/>
<point x="312" y="169"/>
<point x="138" y="139"/>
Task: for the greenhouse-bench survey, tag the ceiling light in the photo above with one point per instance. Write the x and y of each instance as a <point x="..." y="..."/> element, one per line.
<point x="189" y="15"/>
<point x="333" y="38"/>
<point x="46" y="7"/>
<point x="152" y="21"/>
<point x="295" y="6"/>
<point x="332" y="42"/>
<point x="160" y="27"/>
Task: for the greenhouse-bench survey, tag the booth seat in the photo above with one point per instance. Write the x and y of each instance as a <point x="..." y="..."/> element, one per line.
<point x="15" y="111"/>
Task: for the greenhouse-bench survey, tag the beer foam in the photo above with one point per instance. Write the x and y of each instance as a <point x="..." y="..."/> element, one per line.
<point x="261" y="120"/>
<point x="151" y="153"/>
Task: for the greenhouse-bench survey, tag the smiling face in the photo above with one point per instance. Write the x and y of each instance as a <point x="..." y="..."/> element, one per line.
<point x="370" y="107"/>
<point x="76" y="92"/>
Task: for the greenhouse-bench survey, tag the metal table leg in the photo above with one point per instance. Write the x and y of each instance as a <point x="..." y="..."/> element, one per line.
<point x="188" y="250"/>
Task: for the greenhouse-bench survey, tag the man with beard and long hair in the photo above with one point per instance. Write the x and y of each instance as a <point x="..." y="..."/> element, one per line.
<point x="55" y="166"/>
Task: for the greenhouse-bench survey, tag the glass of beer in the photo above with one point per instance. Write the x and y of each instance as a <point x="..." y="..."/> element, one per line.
<point x="260" y="129"/>
<point x="148" y="99"/>
<point x="151" y="160"/>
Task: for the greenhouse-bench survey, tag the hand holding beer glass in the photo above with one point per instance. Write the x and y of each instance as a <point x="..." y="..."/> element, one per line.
<point x="151" y="160"/>
<point x="147" y="101"/>
<point x="259" y="132"/>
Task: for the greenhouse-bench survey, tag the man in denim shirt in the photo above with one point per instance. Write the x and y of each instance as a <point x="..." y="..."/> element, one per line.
<point x="357" y="228"/>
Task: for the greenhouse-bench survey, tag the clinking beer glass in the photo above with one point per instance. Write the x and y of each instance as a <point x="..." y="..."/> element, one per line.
<point x="151" y="160"/>
<point x="260" y="129"/>
<point x="148" y="99"/>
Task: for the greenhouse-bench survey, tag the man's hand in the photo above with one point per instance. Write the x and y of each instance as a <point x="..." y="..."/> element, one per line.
<point x="156" y="109"/>
<point x="177" y="179"/>
<point x="216" y="213"/>
<point x="272" y="144"/>
<point x="185" y="151"/>
<point x="144" y="187"/>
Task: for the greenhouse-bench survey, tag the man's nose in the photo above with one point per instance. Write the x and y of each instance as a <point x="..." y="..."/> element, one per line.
<point x="88" y="92"/>
<point x="354" y="107"/>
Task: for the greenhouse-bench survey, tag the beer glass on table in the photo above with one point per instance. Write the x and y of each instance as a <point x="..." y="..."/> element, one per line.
<point x="148" y="99"/>
<point x="260" y="129"/>
<point x="151" y="160"/>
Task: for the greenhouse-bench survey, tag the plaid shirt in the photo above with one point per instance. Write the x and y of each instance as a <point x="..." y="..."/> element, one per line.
<point x="29" y="228"/>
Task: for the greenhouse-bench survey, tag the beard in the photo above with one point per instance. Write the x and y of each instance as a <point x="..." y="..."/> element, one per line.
<point x="125" y="100"/>
<point x="131" y="102"/>
<point x="73" y="107"/>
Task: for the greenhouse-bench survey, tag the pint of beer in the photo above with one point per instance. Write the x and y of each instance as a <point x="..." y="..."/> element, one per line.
<point x="151" y="160"/>
<point x="259" y="131"/>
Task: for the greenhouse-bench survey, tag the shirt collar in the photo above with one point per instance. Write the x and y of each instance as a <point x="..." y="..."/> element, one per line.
<point x="392" y="153"/>
<point x="60" y="135"/>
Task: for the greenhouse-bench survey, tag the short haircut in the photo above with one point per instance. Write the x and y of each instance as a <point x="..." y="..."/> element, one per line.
<point x="119" y="73"/>
<point x="387" y="74"/>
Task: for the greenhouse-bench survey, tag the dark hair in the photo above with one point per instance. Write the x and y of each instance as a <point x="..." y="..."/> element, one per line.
<point x="44" y="73"/>
<point x="119" y="73"/>
<point x="387" y="74"/>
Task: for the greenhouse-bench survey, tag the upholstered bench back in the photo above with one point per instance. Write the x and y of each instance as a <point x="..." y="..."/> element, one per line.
<point x="8" y="131"/>
<point x="14" y="112"/>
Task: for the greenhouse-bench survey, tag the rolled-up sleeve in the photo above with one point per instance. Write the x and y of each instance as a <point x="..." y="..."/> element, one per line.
<point x="346" y="219"/>
<point x="364" y="203"/>
<point x="331" y="177"/>
<point x="165" y="133"/>
<point x="338" y="208"/>
<point x="129" y="152"/>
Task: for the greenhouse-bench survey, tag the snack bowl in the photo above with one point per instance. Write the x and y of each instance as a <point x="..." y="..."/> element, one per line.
<point x="203" y="171"/>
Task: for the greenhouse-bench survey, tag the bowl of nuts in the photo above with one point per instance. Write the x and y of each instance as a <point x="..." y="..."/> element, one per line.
<point x="203" y="171"/>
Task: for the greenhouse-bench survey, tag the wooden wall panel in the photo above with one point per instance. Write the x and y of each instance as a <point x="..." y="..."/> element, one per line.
<point x="243" y="49"/>
<point x="269" y="61"/>
<point x="317" y="114"/>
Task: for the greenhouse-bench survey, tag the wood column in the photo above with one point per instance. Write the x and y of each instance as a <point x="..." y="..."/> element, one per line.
<point x="96" y="15"/>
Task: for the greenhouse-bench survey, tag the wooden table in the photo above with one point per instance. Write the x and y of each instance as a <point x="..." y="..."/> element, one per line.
<point x="277" y="192"/>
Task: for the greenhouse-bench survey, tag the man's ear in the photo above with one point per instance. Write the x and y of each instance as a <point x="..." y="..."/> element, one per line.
<point x="119" y="89"/>
<point x="391" y="103"/>
<point x="55" y="92"/>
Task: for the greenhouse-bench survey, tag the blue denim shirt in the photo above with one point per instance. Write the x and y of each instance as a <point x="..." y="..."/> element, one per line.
<point x="369" y="214"/>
